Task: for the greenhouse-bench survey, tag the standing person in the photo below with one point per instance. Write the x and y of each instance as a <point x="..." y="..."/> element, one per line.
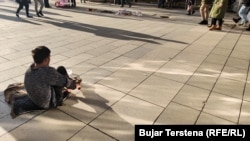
<point x="161" y="3"/>
<point x="217" y="13"/>
<point x="46" y="3"/>
<point x="73" y="3"/>
<point x="127" y="1"/>
<point x="46" y="86"/>
<point x="204" y="11"/>
<point x="39" y="13"/>
<point x="24" y="3"/>
<point x="190" y="7"/>
<point x="243" y="11"/>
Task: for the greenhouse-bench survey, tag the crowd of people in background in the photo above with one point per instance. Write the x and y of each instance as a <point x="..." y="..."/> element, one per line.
<point x="26" y="3"/>
<point x="214" y="9"/>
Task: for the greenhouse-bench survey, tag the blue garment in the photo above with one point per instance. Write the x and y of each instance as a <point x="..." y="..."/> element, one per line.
<point x="243" y="13"/>
<point x="127" y="1"/>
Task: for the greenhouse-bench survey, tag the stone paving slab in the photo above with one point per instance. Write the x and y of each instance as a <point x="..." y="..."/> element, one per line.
<point x="135" y="69"/>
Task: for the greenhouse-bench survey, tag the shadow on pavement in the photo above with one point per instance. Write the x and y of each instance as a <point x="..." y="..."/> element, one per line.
<point x="104" y="31"/>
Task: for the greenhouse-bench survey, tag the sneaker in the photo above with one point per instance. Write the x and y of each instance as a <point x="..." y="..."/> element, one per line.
<point x="40" y="12"/>
<point x="241" y="24"/>
<point x="38" y="15"/>
<point x="236" y="20"/>
<point x="205" y="22"/>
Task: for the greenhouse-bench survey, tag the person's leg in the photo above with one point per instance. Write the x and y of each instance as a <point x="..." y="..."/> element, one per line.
<point x="243" y="14"/>
<point x="60" y="92"/>
<point x="27" y="9"/>
<point x="122" y="3"/>
<point x="192" y="9"/>
<point x="170" y="3"/>
<point x="36" y="8"/>
<point x="192" y="6"/>
<point x="41" y="7"/>
<point x="159" y="3"/>
<point x="162" y="3"/>
<point x="220" y="22"/>
<point x="202" y="9"/>
<point x="129" y="3"/>
<point x="189" y="9"/>
<point x="46" y="3"/>
<point x="23" y="104"/>
<point x="213" y="24"/>
<point x="19" y="8"/>
<point x="206" y="12"/>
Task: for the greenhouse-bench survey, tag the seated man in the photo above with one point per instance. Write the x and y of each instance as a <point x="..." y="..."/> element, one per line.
<point x="46" y="87"/>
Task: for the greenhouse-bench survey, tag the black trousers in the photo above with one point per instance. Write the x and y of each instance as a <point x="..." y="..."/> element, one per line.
<point x="24" y="3"/>
<point x="127" y="2"/>
<point x="46" y="3"/>
<point x="73" y="3"/>
<point x="214" y="20"/>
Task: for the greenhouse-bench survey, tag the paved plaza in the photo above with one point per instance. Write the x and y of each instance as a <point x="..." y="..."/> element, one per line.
<point x="158" y="68"/>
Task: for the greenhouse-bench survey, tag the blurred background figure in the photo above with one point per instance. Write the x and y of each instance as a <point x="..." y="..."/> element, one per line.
<point x="190" y="7"/>
<point x="204" y="11"/>
<point x="46" y="3"/>
<point x="217" y="13"/>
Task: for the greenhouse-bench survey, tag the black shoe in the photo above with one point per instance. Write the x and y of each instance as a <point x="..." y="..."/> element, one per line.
<point x="28" y="16"/>
<point x="236" y="20"/>
<point x="17" y="15"/>
<point x="248" y="29"/>
<point x="130" y="5"/>
<point x="38" y="15"/>
<point x="40" y="12"/>
<point x="193" y="12"/>
<point x="205" y="22"/>
<point x="121" y="5"/>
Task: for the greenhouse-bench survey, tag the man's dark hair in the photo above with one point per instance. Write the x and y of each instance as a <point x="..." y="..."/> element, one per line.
<point x="40" y="53"/>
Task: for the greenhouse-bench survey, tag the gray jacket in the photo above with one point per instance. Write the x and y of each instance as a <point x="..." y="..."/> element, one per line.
<point x="39" y="84"/>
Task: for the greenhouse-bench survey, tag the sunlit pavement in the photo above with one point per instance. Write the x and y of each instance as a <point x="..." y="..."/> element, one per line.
<point x="158" y="68"/>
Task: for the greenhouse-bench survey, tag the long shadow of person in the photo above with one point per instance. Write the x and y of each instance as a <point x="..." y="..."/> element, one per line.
<point x="106" y="110"/>
<point x="106" y="32"/>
